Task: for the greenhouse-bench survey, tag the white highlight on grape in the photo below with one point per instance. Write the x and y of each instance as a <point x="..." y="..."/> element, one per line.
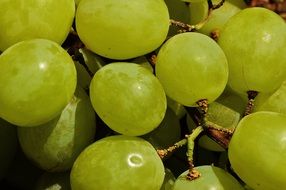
<point x="135" y="160"/>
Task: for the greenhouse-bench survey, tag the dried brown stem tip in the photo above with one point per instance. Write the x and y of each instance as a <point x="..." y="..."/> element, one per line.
<point x="203" y="106"/>
<point x="250" y="104"/>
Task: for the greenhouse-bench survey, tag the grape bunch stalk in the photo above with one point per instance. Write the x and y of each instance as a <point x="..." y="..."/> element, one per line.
<point x="142" y="94"/>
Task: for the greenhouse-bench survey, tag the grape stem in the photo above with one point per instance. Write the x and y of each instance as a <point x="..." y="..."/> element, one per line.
<point x="250" y="104"/>
<point x="193" y="173"/>
<point x="164" y="152"/>
<point x="189" y="28"/>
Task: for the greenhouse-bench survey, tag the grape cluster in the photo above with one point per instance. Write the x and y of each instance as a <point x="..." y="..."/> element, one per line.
<point x="142" y="94"/>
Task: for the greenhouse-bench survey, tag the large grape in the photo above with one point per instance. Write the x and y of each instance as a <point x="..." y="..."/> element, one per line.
<point x="37" y="80"/>
<point x="191" y="67"/>
<point x="128" y="98"/>
<point x="257" y="150"/>
<point x="118" y="162"/>
<point x="212" y="178"/>
<point x="22" y="20"/>
<point x="121" y="29"/>
<point x="254" y="42"/>
<point x="54" y="146"/>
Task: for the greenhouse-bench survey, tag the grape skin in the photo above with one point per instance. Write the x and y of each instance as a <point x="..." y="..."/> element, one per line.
<point x="37" y="80"/>
<point x="192" y="67"/>
<point x="256" y="54"/>
<point x="124" y="30"/>
<point x="128" y="98"/>
<point x="28" y="19"/>
<point x="118" y="162"/>
<point x="257" y="150"/>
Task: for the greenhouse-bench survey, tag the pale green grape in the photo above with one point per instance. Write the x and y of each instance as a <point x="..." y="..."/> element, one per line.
<point x="169" y="180"/>
<point x="118" y="162"/>
<point x="37" y="80"/>
<point x="220" y="115"/>
<point x="194" y="1"/>
<point x="178" y="10"/>
<point x="54" y="181"/>
<point x="168" y="132"/>
<point x="128" y="98"/>
<point x="92" y="61"/>
<point x="198" y="12"/>
<point x="275" y="102"/>
<point x="257" y="150"/>
<point x="8" y="145"/>
<point x="22" y="20"/>
<point x="254" y="43"/>
<point x="177" y="108"/>
<point x="54" y="146"/>
<point x="217" y="18"/>
<point x="121" y="29"/>
<point x="191" y="67"/>
<point x="77" y="2"/>
<point x="212" y="178"/>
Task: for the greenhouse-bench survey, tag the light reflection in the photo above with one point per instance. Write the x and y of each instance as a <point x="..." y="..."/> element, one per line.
<point x="135" y="160"/>
<point x="266" y="37"/>
<point x="42" y="66"/>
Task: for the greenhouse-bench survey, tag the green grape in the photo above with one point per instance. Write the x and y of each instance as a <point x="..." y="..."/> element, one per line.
<point x="169" y="180"/>
<point x="177" y="108"/>
<point x="55" y="145"/>
<point x="198" y="12"/>
<point x="217" y="18"/>
<point x="93" y="62"/>
<point x="178" y="10"/>
<point x="232" y="100"/>
<point x="257" y="150"/>
<point x="8" y="145"/>
<point x="220" y="115"/>
<point x="121" y="32"/>
<point x="118" y="162"/>
<point x="29" y="19"/>
<point x="54" y="181"/>
<point x="143" y="62"/>
<point x="83" y="77"/>
<point x="192" y="67"/>
<point x="128" y="98"/>
<point x="275" y="102"/>
<point x="77" y="2"/>
<point x="212" y="178"/>
<point x="194" y="1"/>
<point x="37" y="80"/>
<point x="254" y="43"/>
<point x="167" y="133"/>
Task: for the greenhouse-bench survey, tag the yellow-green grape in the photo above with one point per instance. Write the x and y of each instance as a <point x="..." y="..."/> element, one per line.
<point x="198" y="12"/>
<point x="254" y="42"/>
<point x="54" y="181"/>
<point x="55" y="146"/>
<point x="217" y="18"/>
<point x="169" y="180"/>
<point x="219" y="115"/>
<point x="118" y="162"/>
<point x="77" y="2"/>
<point x="23" y="20"/>
<point x="168" y="132"/>
<point x="37" y="80"/>
<point x="128" y="98"/>
<point x="177" y="108"/>
<point x="118" y="29"/>
<point x="8" y="145"/>
<point x="275" y="102"/>
<point x="192" y="67"/>
<point x="257" y="150"/>
<point x="211" y="178"/>
<point x="194" y="1"/>
<point x="93" y="62"/>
